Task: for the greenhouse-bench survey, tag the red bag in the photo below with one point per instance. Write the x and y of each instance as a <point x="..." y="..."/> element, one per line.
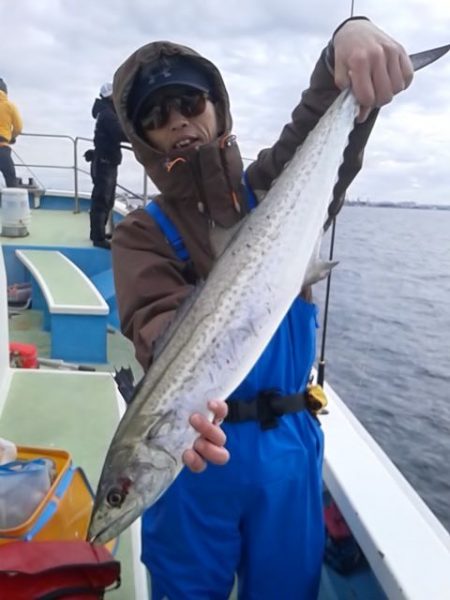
<point x="69" y="570"/>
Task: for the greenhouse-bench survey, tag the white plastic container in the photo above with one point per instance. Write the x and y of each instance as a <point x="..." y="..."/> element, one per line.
<point x="15" y="212"/>
<point x="8" y="451"/>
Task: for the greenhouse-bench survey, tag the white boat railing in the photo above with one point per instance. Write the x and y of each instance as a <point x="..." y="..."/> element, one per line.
<point x="75" y="166"/>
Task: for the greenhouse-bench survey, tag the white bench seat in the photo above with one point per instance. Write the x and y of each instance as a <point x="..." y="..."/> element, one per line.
<point x="75" y="313"/>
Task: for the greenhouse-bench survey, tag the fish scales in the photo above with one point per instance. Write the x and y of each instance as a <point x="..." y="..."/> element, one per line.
<point x="225" y="330"/>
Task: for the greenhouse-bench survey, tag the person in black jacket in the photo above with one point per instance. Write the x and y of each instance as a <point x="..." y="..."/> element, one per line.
<point x="107" y="157"/>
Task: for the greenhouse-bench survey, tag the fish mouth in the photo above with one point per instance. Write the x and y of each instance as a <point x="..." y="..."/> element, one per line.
<point x="104" y="535"/>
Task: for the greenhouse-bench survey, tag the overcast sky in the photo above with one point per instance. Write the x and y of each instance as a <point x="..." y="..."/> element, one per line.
<point x="57" y="53"/>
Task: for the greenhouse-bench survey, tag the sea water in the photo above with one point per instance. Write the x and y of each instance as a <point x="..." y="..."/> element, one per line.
<point x="388" y="338"/>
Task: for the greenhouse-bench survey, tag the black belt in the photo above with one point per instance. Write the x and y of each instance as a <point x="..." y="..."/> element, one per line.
<point x="265" y="408"/>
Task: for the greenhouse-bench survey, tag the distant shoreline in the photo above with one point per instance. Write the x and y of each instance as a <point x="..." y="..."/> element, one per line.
<point x="397" y="205"/>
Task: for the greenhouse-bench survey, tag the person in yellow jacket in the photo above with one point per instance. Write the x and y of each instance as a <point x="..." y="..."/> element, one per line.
<point x="10" y="127"/>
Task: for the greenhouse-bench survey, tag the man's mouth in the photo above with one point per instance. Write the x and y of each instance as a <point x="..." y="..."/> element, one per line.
<point x="184" y="143"/>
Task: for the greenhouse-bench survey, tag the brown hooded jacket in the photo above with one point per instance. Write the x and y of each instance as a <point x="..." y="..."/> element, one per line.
<point x="202" y="193"/>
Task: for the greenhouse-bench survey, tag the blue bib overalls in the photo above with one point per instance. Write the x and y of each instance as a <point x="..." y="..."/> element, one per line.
<point x="259" y="516"/>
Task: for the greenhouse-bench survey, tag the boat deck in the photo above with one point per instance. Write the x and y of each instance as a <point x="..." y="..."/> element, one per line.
<point x="50" y="228"/>
<point x="42" y="398"/>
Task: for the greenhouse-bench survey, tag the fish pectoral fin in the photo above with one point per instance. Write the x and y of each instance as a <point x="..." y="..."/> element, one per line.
<point x="319" y="270"/>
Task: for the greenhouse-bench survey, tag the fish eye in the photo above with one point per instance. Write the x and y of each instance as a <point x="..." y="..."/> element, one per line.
<point x="115" y="498"/>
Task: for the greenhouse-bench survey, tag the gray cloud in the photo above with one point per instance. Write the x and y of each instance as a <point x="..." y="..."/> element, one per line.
<point x="57" y="53"/>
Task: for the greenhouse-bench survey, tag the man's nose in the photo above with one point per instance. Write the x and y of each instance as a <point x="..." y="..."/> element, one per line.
<point x="176" y="118"/>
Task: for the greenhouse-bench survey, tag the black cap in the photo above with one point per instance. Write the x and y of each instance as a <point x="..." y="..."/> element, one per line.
<point x="3" y="86"/>
<point x="172" y="70"/>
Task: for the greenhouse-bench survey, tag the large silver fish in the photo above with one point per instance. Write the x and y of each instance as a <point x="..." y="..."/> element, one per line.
<point x="222" y="332"/>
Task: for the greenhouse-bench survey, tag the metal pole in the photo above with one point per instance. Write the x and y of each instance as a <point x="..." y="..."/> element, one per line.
<point x="75" y="174"/>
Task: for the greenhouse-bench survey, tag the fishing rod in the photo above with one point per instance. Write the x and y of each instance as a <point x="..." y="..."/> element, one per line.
<point x="321" y="361"/>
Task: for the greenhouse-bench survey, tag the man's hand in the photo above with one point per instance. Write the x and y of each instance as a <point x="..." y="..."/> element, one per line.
<point x="373" y="64"/>
<point x="209" y="446"/>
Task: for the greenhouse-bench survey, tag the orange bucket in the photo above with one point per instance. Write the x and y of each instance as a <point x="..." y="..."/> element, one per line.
<point x="65" y="511"/>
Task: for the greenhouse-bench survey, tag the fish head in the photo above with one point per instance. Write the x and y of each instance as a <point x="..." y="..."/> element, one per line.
<point x="130" y="482"/>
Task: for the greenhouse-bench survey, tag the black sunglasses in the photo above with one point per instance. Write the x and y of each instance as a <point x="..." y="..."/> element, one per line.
<point x="189" y="104"/>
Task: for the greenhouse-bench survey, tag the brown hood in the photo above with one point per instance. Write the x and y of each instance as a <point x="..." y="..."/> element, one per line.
<point x="211" y="174"/>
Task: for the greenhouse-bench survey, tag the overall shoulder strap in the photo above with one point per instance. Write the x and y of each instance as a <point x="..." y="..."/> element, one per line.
<point x="169" y="230"/>
<point x="252" y="202"/>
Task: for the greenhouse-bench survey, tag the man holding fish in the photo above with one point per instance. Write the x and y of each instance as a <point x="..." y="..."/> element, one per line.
<point x="256" y="510"/>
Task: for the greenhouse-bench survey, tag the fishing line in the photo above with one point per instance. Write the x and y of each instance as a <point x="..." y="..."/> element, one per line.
<point x="28" y="168"/>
